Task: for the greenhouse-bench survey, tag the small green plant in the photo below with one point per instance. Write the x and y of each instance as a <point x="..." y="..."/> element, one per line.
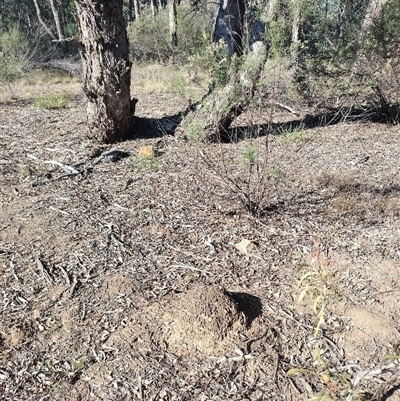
<point x="249" y="156"/>
<point x="145" y="163"/>
<point x="79" y="363"/>
<point x="53" y="324"/>
<point x="52" y="102"/>
<point x="277" y="174"/>
<point x="193" y="131"/>
<point x="46" y="367"/>
<point x="337" y="385"/>
<point x="291" y="134"/>
<point x="315" y="286"/>
<point x="191" y="278"/>
<point x="334" y="383"/>
<point x="26" y="170"/>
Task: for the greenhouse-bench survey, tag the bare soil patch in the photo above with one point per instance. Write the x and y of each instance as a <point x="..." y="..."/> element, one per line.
<point x="123" y="282"/>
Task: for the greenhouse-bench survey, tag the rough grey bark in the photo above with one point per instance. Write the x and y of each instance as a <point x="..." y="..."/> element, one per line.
<point x="173" y="23"/>
<point x="229" y="25"/>
<point x="106" y="68"/>
<point x="213" y="117"/>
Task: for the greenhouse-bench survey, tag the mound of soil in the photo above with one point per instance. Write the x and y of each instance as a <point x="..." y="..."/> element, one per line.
<point x="204" y="320"/>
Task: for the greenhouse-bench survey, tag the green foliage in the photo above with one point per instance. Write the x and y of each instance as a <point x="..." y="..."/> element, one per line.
<point x="51" y="102"/>
<point x="26" y="170"/>
<point x="330" y="31"/>
<point x="179" y="85"/>
<point x="9" y="69"/>
<point x="71" y="30"/>
<point x="149" y="37"/>
<point x="337" y="385"/>
<point x="193" y="131"/>
<point x="277" y="174"/>
<point x="79" y="363"/>
<point x="278" y="35"/>
<point x="383" y="37"/>
<point x="315" y="286"/>
<point x="12" y="46"/>
<point x="380" y="75"/>
<point x="16" y="12"/>
<point x="333" y="40"/>
<point x="329" y="36"/>
<point x="249" y="156"/>
<point x="211" y="59"/>
<point x="279" y="30"/>
<point x="47" y="367"/>
<point x="291" y="134"/>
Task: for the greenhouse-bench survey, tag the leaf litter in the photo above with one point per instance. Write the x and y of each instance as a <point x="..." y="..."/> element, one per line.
<point x="125" y="281"/>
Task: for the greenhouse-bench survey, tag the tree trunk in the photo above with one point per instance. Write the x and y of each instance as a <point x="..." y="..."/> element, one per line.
<point x="229" y="25"/>
<point x="272" y="10"/>
<point x="60" y="30"/>
<point x="137" y="9"/>
<point x="296" y="5"/>
<point x="212" y="119"/>
<point x="42" y="21"/>
<point x="173" y="23"/>
<point x="373" y="11"/>
<point x="153" y="7"/>
<point x="106" y="68"/>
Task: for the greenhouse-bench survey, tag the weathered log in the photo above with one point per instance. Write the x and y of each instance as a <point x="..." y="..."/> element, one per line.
<point x="211" y="119"/>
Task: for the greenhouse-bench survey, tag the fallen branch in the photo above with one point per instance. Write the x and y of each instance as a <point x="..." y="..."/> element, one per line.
<point x="65" y="167"/>
<point x="285" y="107"/>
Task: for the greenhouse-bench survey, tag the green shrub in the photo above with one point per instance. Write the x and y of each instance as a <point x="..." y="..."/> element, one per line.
<point x="339" y="65"/>
<point x="12" y="47"/>
<point x="149" y="37"/>
<point x="179" y="85"/>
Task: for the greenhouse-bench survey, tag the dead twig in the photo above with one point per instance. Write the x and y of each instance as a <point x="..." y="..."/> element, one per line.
<point x="43" y="270"/>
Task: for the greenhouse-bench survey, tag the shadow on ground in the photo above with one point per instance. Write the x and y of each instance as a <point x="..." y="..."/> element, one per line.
<point x="146" y="128"/>
<point x="249" y="305"/>
<point x="330" y="117"/>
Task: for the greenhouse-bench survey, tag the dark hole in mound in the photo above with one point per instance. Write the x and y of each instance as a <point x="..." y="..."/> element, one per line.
<point x="250" y="305"/>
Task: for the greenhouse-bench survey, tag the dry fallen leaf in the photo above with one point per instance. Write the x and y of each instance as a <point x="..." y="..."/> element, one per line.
<point x="243" y="245"/>
<point x="146" y="152"/>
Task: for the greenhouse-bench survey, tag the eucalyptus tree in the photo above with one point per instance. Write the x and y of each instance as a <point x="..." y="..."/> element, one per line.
<point x="104" y="51"/>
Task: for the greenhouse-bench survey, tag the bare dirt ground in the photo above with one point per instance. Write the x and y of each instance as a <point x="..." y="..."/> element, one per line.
<point x="126" y="281"/>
